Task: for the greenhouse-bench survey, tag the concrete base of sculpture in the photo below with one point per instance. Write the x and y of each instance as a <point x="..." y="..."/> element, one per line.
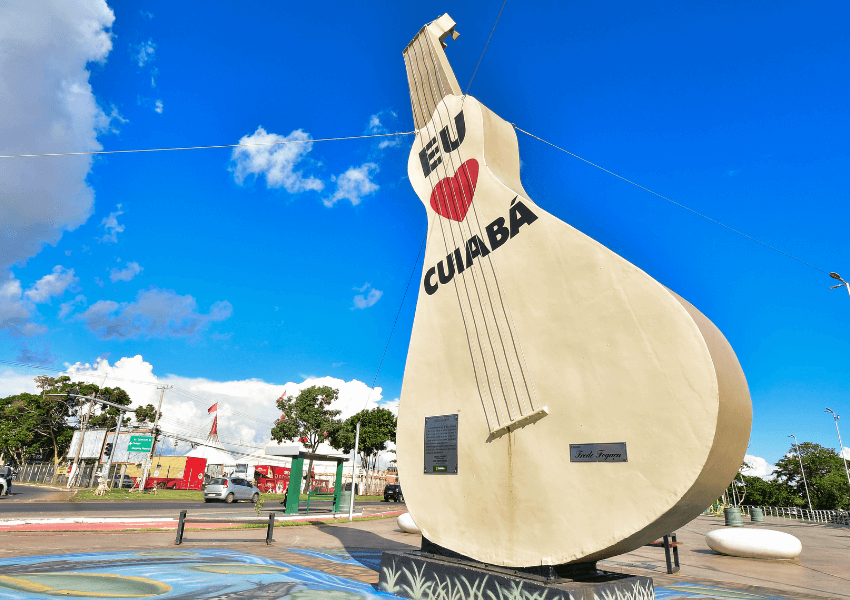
<point x="754" y="543"/>
<point x="420" y="574"/>
<point x="406" y="524"/>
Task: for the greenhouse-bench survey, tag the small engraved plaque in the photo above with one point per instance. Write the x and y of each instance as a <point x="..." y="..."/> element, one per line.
<point x="441" y="445"/>
<point x="599" y="452"/>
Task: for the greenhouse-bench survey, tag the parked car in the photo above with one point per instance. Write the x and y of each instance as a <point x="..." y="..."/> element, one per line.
<point x="126" y="482"/>
<point x="393" y="492"/>
<point x="230" y="489"/>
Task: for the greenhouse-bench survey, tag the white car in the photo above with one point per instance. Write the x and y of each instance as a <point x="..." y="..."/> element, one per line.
<point x="6" y="476"/>
<point x="230" y="489"/>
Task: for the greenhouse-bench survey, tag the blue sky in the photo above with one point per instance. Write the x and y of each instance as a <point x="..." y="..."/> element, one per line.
<point x="288" y="265"/>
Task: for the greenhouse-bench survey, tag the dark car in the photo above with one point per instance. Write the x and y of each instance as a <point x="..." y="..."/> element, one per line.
<point x="393" y="492"/>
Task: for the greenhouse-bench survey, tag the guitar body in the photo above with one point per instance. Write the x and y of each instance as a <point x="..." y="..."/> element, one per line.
<point x="538" y="337"/>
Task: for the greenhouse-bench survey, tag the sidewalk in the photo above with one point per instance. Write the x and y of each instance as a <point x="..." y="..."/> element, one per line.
<point x="341" y="561"/>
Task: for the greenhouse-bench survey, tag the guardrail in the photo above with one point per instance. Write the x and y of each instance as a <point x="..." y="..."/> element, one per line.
<point x="837" y="517"/>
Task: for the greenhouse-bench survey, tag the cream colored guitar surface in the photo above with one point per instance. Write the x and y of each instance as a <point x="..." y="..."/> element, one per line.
<point x="538" y="337"/>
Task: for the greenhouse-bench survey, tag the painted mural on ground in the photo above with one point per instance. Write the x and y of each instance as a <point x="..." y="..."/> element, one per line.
<point x="172" y="575"/>
<point x="228" y="575"/>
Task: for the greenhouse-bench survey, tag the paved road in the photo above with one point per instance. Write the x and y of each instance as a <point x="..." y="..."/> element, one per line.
<point x="15" y="506"/>
<point x="32" y="493"/>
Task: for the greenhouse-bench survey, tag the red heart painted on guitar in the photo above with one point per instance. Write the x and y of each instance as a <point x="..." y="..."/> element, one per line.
<point x="452" y="196"/>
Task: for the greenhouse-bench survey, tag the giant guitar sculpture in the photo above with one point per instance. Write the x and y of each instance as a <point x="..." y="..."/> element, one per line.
<point x="559" y="405"/>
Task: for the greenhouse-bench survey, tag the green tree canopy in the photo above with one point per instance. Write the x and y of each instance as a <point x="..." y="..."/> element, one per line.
<point x="825" y="476"/>
<point x="35" y="424"/>
<point x="307" y="419"/>
<point x="377" y="427"/>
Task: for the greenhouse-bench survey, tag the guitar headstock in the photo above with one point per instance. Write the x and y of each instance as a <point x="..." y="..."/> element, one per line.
<point x="429" y="74"/>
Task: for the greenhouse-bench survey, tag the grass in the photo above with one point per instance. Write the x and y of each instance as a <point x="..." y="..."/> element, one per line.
<point x="177" y="495"/>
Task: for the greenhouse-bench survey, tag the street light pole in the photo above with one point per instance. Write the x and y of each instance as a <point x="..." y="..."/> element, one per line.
<point x="843" y="284"/>
<point x="353" y="468"/>
<point x="840" y="443"/>
<point x="802" y="470"/>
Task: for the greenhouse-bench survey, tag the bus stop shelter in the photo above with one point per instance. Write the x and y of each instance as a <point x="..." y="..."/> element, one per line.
<point x="296" y="471"/>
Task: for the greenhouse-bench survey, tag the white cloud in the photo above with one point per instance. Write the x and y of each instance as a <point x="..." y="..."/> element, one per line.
<point x="14" y="312"/>
<point x="145" y="52"/>
<point x="47" y="105"/>
<point x="759" y="467"/>
<point x="155" y="313"/>
<point x="112" y="227"/>
<point x="278" y="164"/>
<point x="130" y="270"/>
<point x="246" y="408"/>
<point x="845" y="453"/>
<point x="365" y="301"/>
<point x="147" y="15"/>
<point x="67" y="307"/>
<point x="376" y="127"/>
<point x="52" y="284"/>
<point x="354" y="184"/>
<point x="16" y="381"/>
<point x="158" y="105"/>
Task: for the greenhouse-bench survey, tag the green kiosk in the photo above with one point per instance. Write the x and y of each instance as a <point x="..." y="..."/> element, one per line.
<point x="296" y="472"/>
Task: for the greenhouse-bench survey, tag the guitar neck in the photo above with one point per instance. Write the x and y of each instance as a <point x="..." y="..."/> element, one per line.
<point x="429" y="74"/>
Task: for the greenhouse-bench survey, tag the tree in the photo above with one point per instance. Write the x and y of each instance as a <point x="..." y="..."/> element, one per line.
<point x="36" y="423"/>
<point x="145" y="414"/>
<point x="822" y="465"/>
<point x="772" y="492"/>
<point x="308" y="419"/>
<point x="18" y="440"/>
<point x="103" y="416"/>
<point x="377" y="427"/>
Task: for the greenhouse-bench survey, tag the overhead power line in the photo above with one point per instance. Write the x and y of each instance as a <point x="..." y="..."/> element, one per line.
<point x="699" y="214"/>
<point x="310" y="141"/>
<point x="485" y="47"/>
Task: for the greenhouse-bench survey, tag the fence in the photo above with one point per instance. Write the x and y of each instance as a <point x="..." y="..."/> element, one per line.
<point x="43" y="473"/>
<point x="838" y="517"/>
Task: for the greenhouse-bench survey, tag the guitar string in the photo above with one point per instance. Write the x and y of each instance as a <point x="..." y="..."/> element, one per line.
<point x="477" y="345"/>
<point x="417" y="101"/>
<point x="749" y="237"/>
<point x="497" y="368"/>
<point x="497" y="412"/>
<point x="509" y="362"/>
<point x="509" y="358"/>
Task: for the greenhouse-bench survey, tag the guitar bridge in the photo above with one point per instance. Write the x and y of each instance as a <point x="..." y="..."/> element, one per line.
<point x="519" y="422"/>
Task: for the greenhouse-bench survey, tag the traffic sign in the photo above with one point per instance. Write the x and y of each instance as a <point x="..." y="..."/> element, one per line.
<point x="140" y="443"/>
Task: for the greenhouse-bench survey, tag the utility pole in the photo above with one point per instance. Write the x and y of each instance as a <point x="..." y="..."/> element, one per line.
<point x="353" y="467"/>
<point x="147" y="465"/>
<point x="83" y="425"/>
<point x="122" y="411"/>
<point x="108" y="465"/>
<point x="802" y="470"/>
<point x="840" y="444"/>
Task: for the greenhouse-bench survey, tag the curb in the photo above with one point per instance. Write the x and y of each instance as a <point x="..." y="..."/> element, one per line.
<point x="107" y="524"/>
<point x="44" y="487"/>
